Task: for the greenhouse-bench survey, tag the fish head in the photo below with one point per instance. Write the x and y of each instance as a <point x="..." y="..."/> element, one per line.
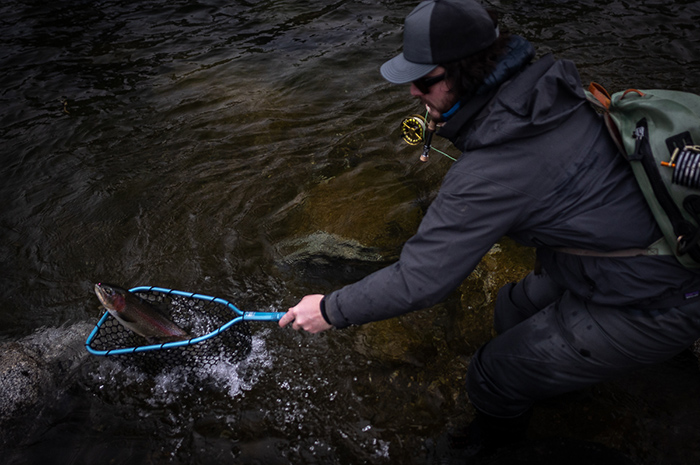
<point x="112" y="297"/>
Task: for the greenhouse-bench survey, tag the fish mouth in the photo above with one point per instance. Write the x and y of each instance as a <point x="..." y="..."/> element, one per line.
<point x="98" y="290"/>
<point x="102" y="292"/>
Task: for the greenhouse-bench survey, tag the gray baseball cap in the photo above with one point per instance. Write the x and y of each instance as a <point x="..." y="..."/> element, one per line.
<point x="437" y="32"/>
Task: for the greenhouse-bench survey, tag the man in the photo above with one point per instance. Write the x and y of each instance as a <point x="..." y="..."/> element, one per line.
<point x="537" y="165"/>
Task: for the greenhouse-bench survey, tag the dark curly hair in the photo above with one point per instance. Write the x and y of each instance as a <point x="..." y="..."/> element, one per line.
<point x="466" y="75"/>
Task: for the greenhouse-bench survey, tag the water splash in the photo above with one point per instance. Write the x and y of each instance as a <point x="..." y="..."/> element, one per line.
<point x="238" y="377"/>
<point x="229" y="376"/>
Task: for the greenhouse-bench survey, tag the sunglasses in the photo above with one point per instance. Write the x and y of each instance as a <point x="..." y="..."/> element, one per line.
<point x="424" y="84"/>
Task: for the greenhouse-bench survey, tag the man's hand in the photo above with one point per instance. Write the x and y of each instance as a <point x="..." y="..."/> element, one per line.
<point x="306" y="315"/>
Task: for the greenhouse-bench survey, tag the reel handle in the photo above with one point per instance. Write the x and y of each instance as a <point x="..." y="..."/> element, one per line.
<point x="430" y="130"/>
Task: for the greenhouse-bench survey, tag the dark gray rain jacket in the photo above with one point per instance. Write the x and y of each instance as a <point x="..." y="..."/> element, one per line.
<point x="537" y="165"/>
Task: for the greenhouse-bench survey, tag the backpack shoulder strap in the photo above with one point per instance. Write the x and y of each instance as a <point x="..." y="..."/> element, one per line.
<point x="600" y="99"/>
<point x="598" y="96"/>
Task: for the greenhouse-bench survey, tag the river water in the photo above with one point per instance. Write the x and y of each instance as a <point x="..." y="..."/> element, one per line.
<point x="185" y="144"/>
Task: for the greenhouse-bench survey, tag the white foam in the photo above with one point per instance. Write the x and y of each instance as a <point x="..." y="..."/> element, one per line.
<point x="238" y="377"/>
<point x="232" y="378"/>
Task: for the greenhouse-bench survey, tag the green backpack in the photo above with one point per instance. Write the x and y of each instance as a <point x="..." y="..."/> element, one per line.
<point x="656" y="130"/>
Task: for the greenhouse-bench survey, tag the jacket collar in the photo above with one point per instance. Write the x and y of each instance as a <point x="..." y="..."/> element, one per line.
<point x="520" y="53"/>
<point x="454" y="129"/>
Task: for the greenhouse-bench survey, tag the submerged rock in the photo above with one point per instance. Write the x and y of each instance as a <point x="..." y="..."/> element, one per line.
<point x="33" y="368"/>
<point x="324" y="246"/>
<point x="24" y="378"/>
<point x="329" y="257"/>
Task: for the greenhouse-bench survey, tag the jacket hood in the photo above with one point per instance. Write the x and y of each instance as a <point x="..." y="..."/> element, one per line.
<point x="538" y="99"/>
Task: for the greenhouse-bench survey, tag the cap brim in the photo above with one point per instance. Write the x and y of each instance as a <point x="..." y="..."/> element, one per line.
<point x="399" y="70"/>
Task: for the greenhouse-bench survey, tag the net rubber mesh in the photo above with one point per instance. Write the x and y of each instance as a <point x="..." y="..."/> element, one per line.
<point x="196" y="316"/>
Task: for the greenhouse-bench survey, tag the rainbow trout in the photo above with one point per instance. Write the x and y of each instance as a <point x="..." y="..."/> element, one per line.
<point x="137" y="315"/>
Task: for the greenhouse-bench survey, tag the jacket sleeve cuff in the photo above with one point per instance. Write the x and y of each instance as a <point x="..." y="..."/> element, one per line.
<point x="323" y="311"/>
<point x="331" y="311"/>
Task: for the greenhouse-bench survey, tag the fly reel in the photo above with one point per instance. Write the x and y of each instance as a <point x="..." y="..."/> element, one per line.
<point x="413" y="129"/>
